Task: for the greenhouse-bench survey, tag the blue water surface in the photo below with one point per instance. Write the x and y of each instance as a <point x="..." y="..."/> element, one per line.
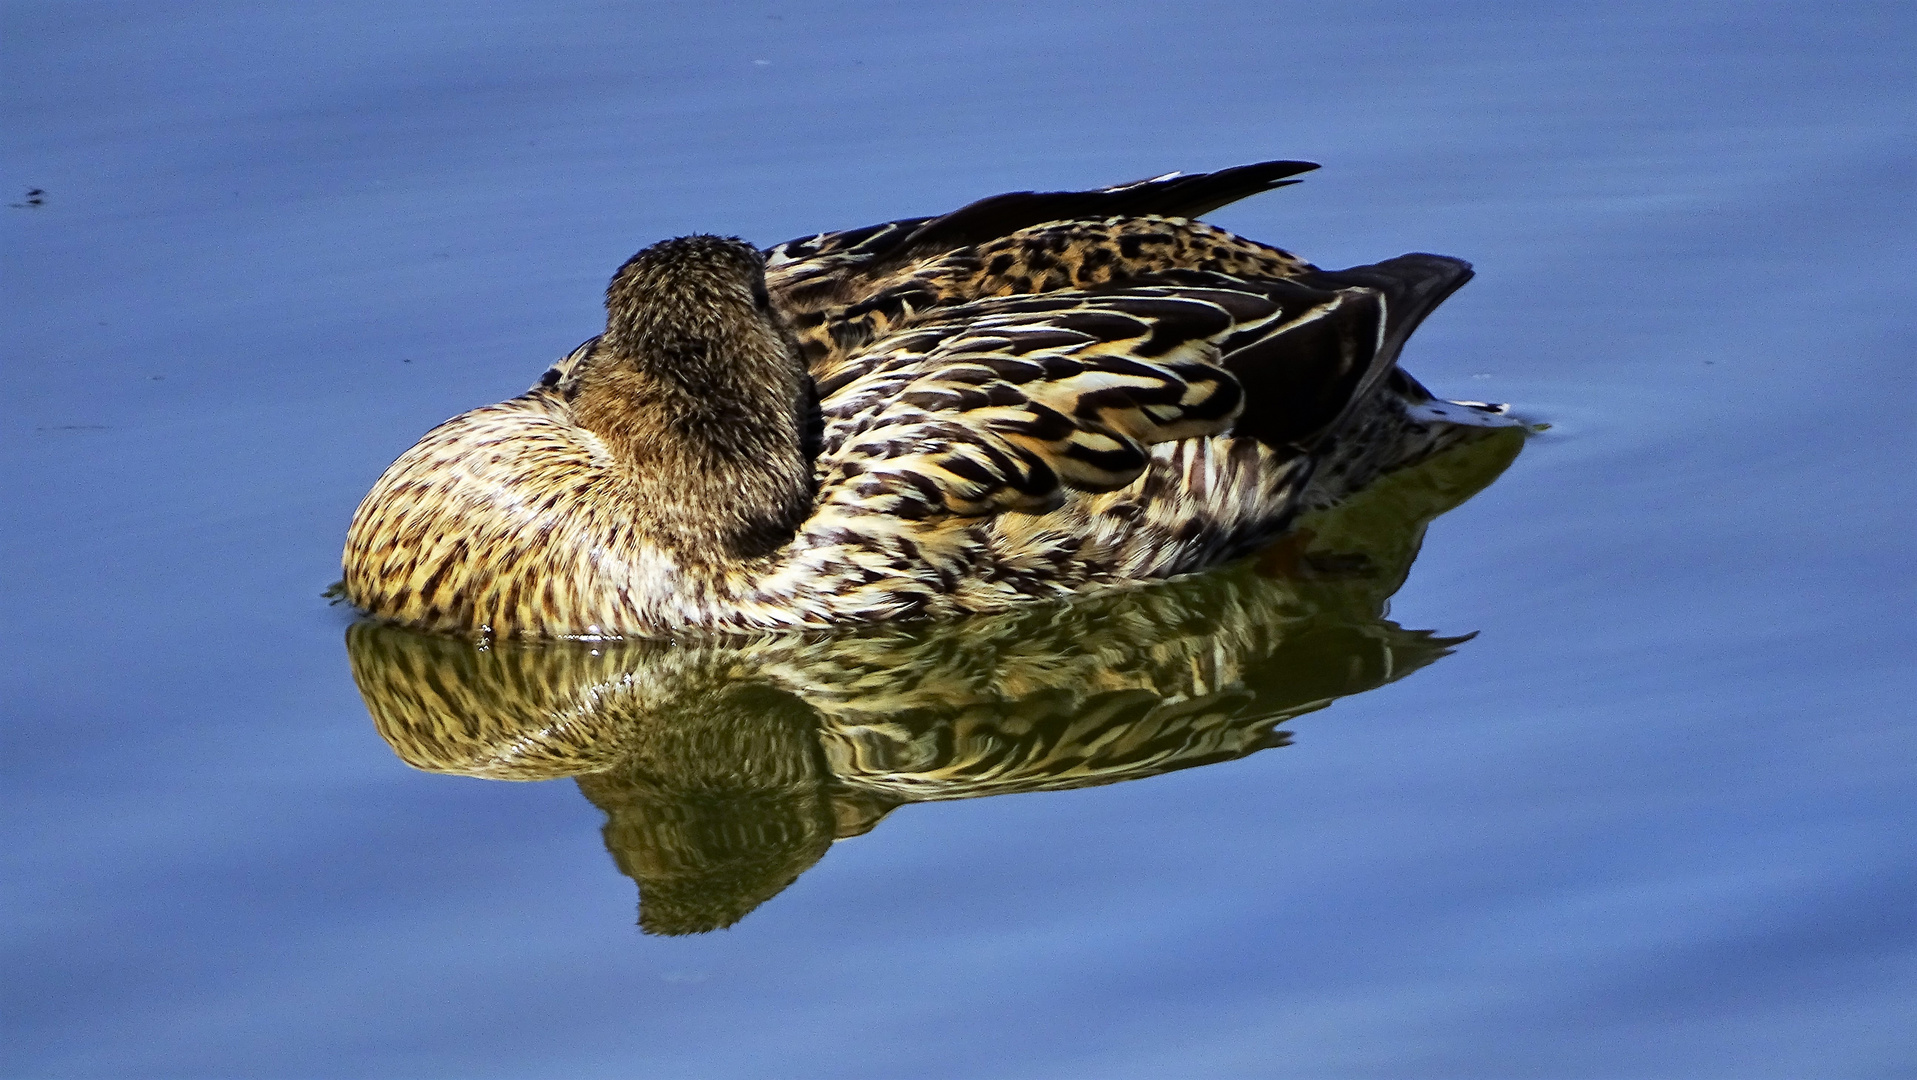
<point x="1656" y="820"/>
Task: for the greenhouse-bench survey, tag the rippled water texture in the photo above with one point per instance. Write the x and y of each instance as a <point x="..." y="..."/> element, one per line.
<point x="1654" y="819"/>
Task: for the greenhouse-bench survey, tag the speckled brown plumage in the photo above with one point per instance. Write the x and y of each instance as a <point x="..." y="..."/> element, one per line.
<point x="1031" y="397"/>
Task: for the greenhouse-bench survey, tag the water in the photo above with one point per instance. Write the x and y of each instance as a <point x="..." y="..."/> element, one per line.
<point x="1653" y="820"/>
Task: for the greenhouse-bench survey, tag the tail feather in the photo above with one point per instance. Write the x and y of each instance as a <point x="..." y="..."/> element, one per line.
<point x="1412" y="286"/>
<point x="1304" y="381"/>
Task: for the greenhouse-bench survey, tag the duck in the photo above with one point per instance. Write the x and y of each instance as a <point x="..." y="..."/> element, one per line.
<point x="1034" y="397"/>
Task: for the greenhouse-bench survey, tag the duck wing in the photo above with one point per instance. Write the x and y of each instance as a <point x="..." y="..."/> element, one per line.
<point x="1034" y="344"/>
<point x="1005" y="404"/>
<point x="1010" y="403"/>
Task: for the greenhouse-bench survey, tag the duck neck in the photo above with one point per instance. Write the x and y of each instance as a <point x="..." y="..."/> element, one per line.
<point x="717" y="471"/>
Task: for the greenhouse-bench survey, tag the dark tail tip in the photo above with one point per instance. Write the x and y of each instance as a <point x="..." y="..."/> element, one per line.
<point x="1412" y="285"/>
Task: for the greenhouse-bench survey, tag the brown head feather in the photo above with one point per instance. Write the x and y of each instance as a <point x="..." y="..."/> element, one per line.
<point x="699" y="392"/>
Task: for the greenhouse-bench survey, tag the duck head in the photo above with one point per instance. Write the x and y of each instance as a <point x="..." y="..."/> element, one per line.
<point x="698" y="391"/>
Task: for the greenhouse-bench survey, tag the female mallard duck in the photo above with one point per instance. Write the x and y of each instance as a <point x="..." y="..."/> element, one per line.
<point x="1033" y="396"/>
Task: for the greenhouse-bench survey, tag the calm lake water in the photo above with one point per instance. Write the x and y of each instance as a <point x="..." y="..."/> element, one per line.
<point x="1656" y="819"/>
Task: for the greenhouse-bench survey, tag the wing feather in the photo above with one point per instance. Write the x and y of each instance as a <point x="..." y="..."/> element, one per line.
<point x="1011" y="403"/>
<point x="1030" y="351"/>
<point x="1007" y="406"/>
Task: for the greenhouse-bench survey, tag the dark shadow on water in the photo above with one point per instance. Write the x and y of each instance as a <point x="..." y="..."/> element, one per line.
<point x="726" y="770"/>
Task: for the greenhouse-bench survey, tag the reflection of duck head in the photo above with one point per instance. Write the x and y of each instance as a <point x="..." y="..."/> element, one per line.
<point x="718" y="809"/>
<point x="727" y="768"/>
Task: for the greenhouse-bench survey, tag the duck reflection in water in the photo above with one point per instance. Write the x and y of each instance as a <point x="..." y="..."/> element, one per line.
<point x="727" y="768"/>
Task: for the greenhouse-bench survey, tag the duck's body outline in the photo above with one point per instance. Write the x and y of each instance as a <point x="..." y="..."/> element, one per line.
<point x="1024" y="400"/>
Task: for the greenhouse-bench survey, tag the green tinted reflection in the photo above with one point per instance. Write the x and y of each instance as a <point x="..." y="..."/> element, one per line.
<point x="726" y="769"/>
